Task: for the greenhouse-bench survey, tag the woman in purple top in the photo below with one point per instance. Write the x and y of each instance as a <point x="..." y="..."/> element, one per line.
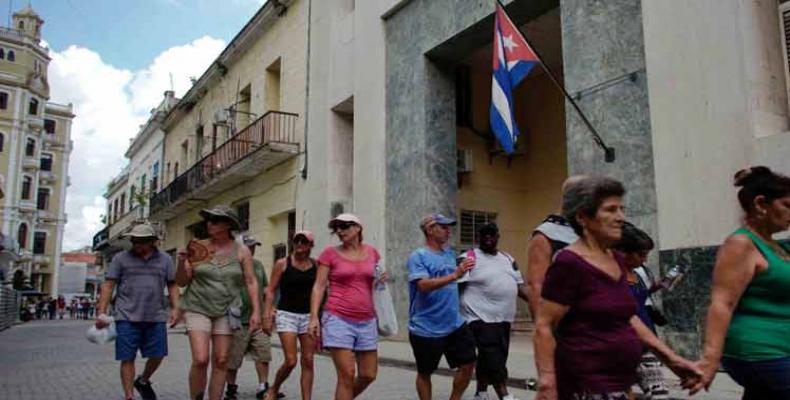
<point x="588" y="339"/>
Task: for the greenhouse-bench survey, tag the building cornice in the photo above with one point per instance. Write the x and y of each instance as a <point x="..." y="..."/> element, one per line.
<point x="251" y="32"/>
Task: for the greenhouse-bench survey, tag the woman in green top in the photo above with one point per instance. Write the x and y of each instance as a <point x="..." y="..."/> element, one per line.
<point x="748" y="325"/>
<point x="215" y="272"/>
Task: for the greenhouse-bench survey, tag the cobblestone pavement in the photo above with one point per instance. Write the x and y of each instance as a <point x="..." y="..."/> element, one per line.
<point x="52" y="360"/>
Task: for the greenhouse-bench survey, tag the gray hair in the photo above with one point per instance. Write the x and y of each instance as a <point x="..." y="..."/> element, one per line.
<point x="586" y="196"/>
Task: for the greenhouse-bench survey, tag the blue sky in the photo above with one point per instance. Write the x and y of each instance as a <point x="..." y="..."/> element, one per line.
<point x="113" y="60"/>
<point x="130" y="33"/>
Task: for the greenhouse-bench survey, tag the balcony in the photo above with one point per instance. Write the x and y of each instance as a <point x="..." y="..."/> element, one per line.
<point x="41" y="260"/>
<point x="265" y="143"/>
<point x="35" y="123"/>
<point x="46" y="177"/>
<point x="101" y="239"/>
<point x="30" y="163"/>
<point x="24" y="255"/>
<point x="27" y="206"/>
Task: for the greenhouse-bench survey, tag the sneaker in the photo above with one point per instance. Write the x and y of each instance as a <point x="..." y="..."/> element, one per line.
<point x="230" y="392"/>
<point x="144" y="389"/>
<point x="481" y="396"/>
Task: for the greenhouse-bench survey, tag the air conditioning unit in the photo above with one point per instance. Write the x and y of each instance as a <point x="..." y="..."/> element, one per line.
<point x="221" y="116"/>
<point x="464" y="160"/>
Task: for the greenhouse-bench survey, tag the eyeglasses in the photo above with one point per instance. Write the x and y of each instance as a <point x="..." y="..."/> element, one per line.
<point x="301" y="240"/>
<point x="341" y="226"/>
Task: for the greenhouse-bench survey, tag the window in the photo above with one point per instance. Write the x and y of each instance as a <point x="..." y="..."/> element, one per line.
<point x="108" y="217"/>
<point x="33" y="107"/>
<point x="49" y="126"/>
<point x="123" y="202"/>
<point x="471" y="221"/>
<point x="42" y="203"/>
<point x="21" y="25"/>
<point x="2" y="54"/>
<point x="142" y="184"/>
<point x="132" y="195"/>
<point x="116" y="210"/>
<point x="30" y="148"/>
<point x="46" y="162"/>
<point x="155" y="178"/>
<point x="175" y="173"/>
<point x="784" y="22"/>
<point x="21" y="235"/>
<point x="3" y="101"/>
<point x="27" y="186"/>
<point x="243" y="211"/>
<point x="11" y="55"/>
<point x="2" y="142"/>
<point x="39" y="243"/>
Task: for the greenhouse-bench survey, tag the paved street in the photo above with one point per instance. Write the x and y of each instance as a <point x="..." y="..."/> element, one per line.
<point x="52" y="360"/>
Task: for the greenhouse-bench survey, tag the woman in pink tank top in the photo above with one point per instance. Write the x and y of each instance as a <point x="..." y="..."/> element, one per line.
<point x="348" y="324"/>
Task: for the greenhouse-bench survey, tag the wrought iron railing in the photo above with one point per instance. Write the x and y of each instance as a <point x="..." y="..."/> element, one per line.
<point x="271" y="128"/>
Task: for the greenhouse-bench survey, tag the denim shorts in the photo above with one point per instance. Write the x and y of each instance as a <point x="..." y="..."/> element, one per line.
<point x="769" y="379"/>
<point x="340" y="333"/>
<point x="148" y="337"/>
<point x="292" y="322"/>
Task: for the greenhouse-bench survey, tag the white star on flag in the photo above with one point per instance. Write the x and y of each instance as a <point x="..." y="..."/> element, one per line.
<point x="509" y="43"/>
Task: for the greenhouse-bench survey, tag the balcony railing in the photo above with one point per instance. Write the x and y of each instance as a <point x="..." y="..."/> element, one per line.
<point x="100" y="238"/>
<point x="272" y="136"/>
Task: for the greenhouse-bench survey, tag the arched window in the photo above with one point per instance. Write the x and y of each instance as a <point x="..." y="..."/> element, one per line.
<point x="11" y="55"/>
<point x="21" y="24"/>
<point x="33" y="107"/>
<point x="27" y="186"/>
<point x="2" y="54"/>
<point x="21" y="235"/>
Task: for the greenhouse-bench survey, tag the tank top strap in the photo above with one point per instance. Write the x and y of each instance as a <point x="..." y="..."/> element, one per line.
<point x="766" y="250"/>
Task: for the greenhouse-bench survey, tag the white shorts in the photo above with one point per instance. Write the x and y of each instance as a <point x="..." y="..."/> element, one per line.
<point x="292" y="322"/>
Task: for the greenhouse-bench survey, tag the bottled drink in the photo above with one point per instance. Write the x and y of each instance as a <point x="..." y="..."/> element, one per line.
<point x="673" y="277"/>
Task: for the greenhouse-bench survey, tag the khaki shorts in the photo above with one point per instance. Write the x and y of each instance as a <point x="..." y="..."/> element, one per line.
<point x="202" y="323"/>
<point x="257" y="344"/>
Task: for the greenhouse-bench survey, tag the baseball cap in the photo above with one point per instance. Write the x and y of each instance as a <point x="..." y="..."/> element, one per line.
<point x="435" y="218"/>
<point x="307" y="235"/>
<point x="250" y="240"/>
<point x="345" y="217"/>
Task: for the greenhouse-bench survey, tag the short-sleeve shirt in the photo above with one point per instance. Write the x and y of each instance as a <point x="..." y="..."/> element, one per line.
<point x="597" y="349"/>
<point x="491" y="288"/>
<point x="246" y="305"/>
<point x="350" y="284"/>
<point x="141" y="286"/>
<point x="435" y="313"/>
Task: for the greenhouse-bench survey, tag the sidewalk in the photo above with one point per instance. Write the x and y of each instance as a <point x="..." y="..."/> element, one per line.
<point x="521" y="366"/>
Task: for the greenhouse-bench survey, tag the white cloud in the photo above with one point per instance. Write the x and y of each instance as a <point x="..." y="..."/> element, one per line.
<point x="110" y="104"/>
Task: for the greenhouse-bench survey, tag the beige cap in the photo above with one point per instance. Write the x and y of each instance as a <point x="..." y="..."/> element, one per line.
<point x="142" y="230"/>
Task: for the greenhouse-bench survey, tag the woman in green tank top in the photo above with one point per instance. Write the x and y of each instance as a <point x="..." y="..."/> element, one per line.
<point x="214" y="272"/>
<point x="748" y="324"/>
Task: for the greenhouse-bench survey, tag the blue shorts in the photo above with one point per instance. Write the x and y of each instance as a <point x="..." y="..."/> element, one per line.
<point x="340" y="333"/>
<point x="149" y="337"/>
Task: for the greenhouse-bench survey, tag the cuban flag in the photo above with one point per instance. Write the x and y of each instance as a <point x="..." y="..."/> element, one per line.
<point x="513" y="59"/>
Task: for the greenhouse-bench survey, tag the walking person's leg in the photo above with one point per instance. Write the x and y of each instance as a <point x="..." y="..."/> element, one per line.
<point x="460" y="353"/>
<point x="239" y="343"/>
<point x="199" y="343"/>
<point x="127" y="342"/>
<point x="153" y="347"/>
<point x="260" y="348"/>
<point x="307" y="344"/>
<point x="288" y="344"/>
<point x="345" y="369"/>
<point x="427" y="354"/>
<point x="367" y="370"/>
<point x="220" y="346"/>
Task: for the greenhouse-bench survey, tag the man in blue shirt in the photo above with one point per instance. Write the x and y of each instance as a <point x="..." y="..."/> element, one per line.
<point x="436" y="326"/>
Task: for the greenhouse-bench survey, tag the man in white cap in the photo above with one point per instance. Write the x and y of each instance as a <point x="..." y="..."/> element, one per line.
<point x="257" y="344"/>
<point x="141" y="274"/>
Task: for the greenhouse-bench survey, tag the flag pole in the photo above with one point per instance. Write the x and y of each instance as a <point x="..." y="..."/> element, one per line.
<point x="609" y="154"/>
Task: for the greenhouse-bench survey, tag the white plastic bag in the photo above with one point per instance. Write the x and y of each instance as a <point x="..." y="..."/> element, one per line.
<point x="385" y="309"/>
<point x="102" y="336"/>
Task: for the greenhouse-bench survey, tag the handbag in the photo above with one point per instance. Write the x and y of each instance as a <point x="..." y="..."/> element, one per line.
<point x="657" y="316"/>
<point x="386" y="318"/>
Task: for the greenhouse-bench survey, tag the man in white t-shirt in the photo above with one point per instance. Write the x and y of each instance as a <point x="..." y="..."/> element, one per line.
<point x="488" y="303"/>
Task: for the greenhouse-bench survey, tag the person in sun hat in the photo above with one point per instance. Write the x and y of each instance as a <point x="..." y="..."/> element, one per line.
<point x="436" y="327"/>
<point x="141" y="276"/>
<point x="294" y="277"/>
<point x="214" y="272"/>
<point x="348" y="324"/>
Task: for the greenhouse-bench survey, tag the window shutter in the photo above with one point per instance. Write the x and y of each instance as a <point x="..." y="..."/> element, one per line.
<point x="784" y="25"/>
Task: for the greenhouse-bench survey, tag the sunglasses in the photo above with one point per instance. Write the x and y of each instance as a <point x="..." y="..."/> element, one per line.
<point x="341" y="226"/>
<point x="301" y="240"/>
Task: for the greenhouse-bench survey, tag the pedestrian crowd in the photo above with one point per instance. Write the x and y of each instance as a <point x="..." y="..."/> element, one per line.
<point x="587" y="286"/>
<point x="57" y="308"/>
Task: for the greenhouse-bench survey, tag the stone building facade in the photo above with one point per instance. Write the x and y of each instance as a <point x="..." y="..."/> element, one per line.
<point x="35" y="144"/>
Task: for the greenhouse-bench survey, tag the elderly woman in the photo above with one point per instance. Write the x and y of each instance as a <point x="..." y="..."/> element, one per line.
<point x="749" y="315"/>
<point x="214" y="272"/>
<point x="349" y="327"/>
<point x="588" y="339"/>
